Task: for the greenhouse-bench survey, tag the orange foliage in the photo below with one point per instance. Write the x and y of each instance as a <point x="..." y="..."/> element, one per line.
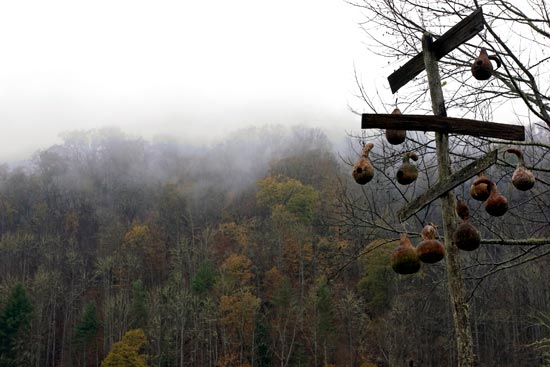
<point x="150" y="249"/>
<point x="272" y="281"/>
<point x="237" y="269"/>
<point x="238" y="315"/>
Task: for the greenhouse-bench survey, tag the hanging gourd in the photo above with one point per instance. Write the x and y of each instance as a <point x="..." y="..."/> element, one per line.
<point x="461" y="209"/>
<point x="363" y="171"/>
<point x="482" y="69"/>
<point x="523" y="179"/>
<point x="466" y="236"/>
<point x="430" y="250"/>
<point x="479" y="191"/>
<point x="408" y="172"/>
<point x="496" y="204"/>
<point x="396" y="137"/>
<point x="404" y="259"/>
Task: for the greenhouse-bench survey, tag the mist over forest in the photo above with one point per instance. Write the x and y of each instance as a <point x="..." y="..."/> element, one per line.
<point x="259" y="250"/>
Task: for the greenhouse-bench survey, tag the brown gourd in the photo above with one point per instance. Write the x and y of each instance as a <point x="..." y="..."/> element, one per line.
<point x="430" y="250"/>
<point x="396" y="137"/>
<point x="522" y="178"/>
<point x="466" y="236"/>
<point x="408" y="172"/>
<point x="462" y="210"/>
<point x="363" y="171"/>
<point x="482" y="69"/>
<point x="404" y="259"/>
<point x="479" y="191"/>
<point x="496" y="204"/>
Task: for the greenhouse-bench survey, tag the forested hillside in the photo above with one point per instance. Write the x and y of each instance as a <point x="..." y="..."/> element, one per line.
<point x="257" y="251"/>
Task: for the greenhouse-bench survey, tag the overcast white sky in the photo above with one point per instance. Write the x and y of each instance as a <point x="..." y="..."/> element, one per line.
<point x="189" y="69"/>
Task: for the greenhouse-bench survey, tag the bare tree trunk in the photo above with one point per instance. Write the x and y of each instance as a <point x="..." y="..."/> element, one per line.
<point x="181" y="345"/>
<point x="457" y="291"/>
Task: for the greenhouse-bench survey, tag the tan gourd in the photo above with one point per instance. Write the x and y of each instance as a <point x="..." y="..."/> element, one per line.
<point x="466" y="236"/>
<point x="496" y="204"/>
<point x="479" y="191"/>
<point x="430" y="250"/>
<point x="482" y="69"/>
<point x="523" y="179"/>
<point x="396" y="137"/>
<point x="404" y="259"/>
<point x="408" y="172"/>
<point x="363" y="171"/>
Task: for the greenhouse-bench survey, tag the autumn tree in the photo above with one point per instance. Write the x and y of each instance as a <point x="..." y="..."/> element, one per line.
<point x="141" y="249"/>
<point x="292" y="206"/>
<point x="126" y="352"/>
<point x="238" y="316"/>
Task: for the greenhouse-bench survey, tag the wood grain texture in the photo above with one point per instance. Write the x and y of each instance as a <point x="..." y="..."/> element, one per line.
<point x="448" y="125"/>
<point x="454" y="37"/>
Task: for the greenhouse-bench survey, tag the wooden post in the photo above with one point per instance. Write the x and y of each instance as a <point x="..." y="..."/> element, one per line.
<point x="457" y="291"/>
<point x="446" y="185"/>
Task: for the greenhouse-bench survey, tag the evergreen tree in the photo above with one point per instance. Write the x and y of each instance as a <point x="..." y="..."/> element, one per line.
<point x="138" y="310"/>
<point x="325" y="318"/>
<point x="86" y="330"/>
<point x="13" y="318"/>
<point x="205" y="278"/>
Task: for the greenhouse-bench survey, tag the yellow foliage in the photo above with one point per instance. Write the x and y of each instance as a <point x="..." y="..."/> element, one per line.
<point x="137" y="237"/>
<point x="125" y="353"/>
<point x="298" y="199"/>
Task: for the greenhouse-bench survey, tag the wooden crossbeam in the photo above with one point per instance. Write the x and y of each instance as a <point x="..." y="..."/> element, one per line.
<point x="441" y="124"/>
<point x="454" y="37"/>
<point x="450" y="183"/>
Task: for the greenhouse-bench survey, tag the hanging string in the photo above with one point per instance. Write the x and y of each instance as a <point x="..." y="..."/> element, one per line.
<point x="363" y="140"/>
<point x="404" y="226"/>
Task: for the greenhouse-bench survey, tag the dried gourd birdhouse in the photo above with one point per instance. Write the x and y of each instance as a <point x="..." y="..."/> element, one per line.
<point x="466" y="236"/>
<point x="363" y="171"/>
<point x="430" y="250"/>
<point x="479" y="190"/>
<point x="408" y="172"/>
<point x="462" y="210"/>
<point x="522" y="179"/>
<point x="396" y="137"/>
<point x="482" y="69"/>
<point x="496" y="204"/>
<point x="404" y="259"/>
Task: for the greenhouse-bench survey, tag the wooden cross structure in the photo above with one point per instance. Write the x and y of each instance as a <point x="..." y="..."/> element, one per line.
<point x="442" y="125"/>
